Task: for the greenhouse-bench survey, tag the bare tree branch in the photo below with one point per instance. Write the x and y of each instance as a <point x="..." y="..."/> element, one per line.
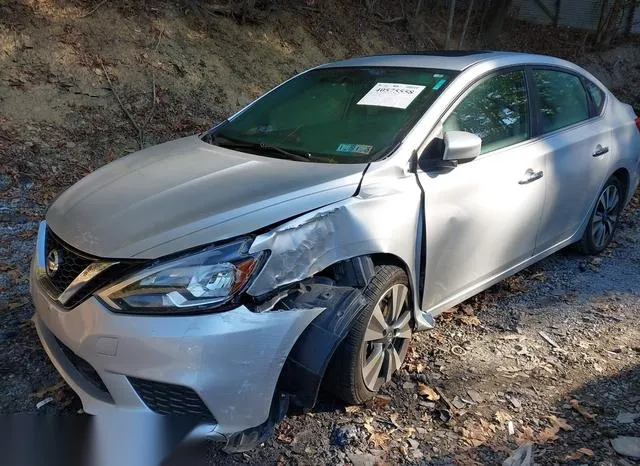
<point x="466" y="24"/>
<point x="452" y="10"/>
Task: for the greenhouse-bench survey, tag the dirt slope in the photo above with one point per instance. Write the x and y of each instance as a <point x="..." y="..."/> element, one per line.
<point x="177" y="70"/>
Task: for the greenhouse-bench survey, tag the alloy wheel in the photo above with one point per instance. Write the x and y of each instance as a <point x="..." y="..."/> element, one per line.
<point x="605" y="216"/>
<point x="387" y="337"/>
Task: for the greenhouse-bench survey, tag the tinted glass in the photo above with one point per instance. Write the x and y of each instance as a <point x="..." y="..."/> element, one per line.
<point x="496" y="110"/>
<point x="597" y="95"/>
<point x="562" y="100"/>
<point x="337" y="115"/>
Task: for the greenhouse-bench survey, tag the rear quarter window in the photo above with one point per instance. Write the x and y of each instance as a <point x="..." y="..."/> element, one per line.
<point x="597" y="96"/>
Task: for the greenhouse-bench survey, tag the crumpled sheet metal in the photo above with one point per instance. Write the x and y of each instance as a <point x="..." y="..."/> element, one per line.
<point x="380" y="220"/>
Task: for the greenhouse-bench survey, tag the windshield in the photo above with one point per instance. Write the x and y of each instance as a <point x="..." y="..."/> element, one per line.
<point x="335" y="115"/>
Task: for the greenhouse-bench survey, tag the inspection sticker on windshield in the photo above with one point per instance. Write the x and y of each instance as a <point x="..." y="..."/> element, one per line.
<point x="394" y="95"/>
<point x="355" y="148"/>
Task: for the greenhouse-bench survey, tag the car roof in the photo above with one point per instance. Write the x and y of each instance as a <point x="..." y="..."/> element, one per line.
<point x="446" y="60"/>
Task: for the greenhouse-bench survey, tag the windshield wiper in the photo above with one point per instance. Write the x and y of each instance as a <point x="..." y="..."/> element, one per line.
<point x="223" y="141"/>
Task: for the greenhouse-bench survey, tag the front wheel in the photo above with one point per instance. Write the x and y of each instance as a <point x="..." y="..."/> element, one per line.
<point x="604" y="218"/>
<point x="378" y="342"/>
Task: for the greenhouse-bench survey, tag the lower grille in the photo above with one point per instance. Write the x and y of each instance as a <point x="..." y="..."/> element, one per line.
<point x="86" y="369"/>
<point x="164" y="398"/>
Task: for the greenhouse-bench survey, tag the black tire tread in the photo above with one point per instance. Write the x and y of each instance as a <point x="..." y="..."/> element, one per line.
<point x="343" y="371"/>
<point x="585" y="245"/>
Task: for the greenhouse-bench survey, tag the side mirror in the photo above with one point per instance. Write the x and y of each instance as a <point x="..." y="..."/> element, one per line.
<point x="461" y="145"/>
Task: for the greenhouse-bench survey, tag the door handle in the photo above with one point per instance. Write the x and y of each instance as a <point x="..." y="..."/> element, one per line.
<point x="600" y="150"/>
<point x="530" y="176"/>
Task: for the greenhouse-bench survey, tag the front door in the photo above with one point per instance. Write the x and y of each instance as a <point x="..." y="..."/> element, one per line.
<point x="482" y="216"/>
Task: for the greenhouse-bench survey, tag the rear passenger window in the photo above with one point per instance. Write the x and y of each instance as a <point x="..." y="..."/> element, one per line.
<point x="562" y="100"/>
<point x="496" y="110"/>
<point x="597" y="96"/>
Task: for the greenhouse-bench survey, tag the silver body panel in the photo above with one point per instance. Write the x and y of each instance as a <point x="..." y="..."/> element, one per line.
<point x="186" y="193"/>
<point x="232" y="360"/>
<point x="478" y="225"/>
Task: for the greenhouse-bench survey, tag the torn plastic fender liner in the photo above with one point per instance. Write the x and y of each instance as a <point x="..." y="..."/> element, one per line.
<point x="304" y="369"/>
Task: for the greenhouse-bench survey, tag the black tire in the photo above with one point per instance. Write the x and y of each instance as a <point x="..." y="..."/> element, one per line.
<point x="345" y="373"/>
<point x="591" y="242"/>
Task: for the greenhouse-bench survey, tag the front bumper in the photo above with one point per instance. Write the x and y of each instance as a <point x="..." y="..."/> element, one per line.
<point x="231" y="360"/>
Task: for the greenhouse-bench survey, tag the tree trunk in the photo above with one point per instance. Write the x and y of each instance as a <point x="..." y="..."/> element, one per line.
<point x="609" y="24"/>
<point x="496" y="13"/>
<point x="466" y="25"/>
<point x="452" y="10"/>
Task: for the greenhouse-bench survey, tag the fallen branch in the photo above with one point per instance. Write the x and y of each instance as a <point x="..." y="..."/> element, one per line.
<point x="92" y="11"/>
<point x="397" y="19"/>
<point x="548" y="339"/>
<point x="155" y="48"/>
<point x="124" y="109"/>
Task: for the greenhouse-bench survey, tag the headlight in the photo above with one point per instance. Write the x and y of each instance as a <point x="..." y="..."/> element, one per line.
<point x="191" y="283"/>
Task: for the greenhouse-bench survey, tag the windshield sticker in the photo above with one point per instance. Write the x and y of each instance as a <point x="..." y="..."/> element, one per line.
<point x="355" y="148"/>
<point x="394" y="95"/>
<point x="439" y="84"/>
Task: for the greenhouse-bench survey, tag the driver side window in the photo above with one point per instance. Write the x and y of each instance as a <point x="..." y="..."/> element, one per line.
<point x="496" y="110"/>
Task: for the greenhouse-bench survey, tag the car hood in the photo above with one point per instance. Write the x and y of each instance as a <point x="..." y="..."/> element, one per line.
<point x="186" y="193"/>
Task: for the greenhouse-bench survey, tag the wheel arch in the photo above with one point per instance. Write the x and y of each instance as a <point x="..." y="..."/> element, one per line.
<point x="306" y="366"/>
<point x="622" y="174"/>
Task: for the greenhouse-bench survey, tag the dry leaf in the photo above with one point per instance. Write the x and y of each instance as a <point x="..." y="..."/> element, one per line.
<point x="409" y="431"/>
<point x="469" y="320"/>
<point x="582" y="410"/>
<point x="550" y="433"/>
<point x="502" y="417"/>
<point x="576" y="455"/>
<point x="527" y="435"/>
<point x="368" y="427"/>
<point x="352" y="409"/>
<point x="428" y="392"/>
<point x="380" y="401"/>
<point x="285" y="433"/>
<point x="379" y="440"/>
<point x="586" y="451"/>
<point x="561" y="423"/>
<point x="467" y="309"/>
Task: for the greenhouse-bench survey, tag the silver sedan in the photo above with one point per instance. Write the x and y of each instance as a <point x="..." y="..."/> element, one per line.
<point x="304" y="239"/>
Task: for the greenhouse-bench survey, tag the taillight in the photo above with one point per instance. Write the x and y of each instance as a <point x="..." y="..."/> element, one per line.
<point x="638" y="123"/>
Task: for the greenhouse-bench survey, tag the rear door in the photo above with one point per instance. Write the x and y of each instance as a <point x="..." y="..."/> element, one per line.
<point x="576" y="142"/>
<point x="483" y="215"/>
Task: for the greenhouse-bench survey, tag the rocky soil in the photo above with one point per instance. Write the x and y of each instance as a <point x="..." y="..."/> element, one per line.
<point x="550" y="357"/>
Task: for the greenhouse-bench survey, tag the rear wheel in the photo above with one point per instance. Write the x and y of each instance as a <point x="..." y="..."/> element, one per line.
<point x="378" y="342"/>
<point x="604" y="218"/>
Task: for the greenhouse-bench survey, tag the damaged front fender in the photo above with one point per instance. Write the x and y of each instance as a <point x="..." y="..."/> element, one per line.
<point x="382" y="219"/>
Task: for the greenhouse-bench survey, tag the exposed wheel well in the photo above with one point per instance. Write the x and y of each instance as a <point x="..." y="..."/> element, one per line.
<point x="623" y="176"/>
<point x="390" y="259"/>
